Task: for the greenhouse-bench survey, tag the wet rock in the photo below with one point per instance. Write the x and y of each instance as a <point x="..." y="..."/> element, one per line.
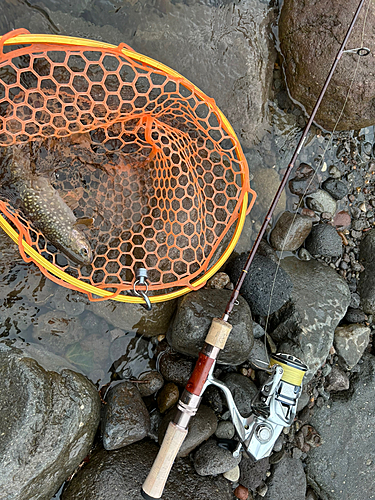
<point x="225" y="430"/>
<point x="337" y="189"/>
<point x="125" y="417"/>
<point x="265" y="183"/>
<point x="306" y="63"/>
<point x="97" y="346"/>
<point x="121" y="473"/>
<point x="304" y="181"/>
<point x="252" y="474"/>
<point x="48" y="421"/>
<point x="211" y="459"/>
<point x="259" y="281"/>
<point x="366" y="286"/>
<point x="343" y="466"/>
<point x="57" y="330"/>
<point x="131" y="355"/>
<point x="288" y="481"/>
<point x="176" y="367"/>
<point x="201" y="427"/>
<point x="319" y="300"/>
<point x="168" y="397"/>
<point x="243" y="391"/>
<point x="337" y="380"/>
<point x="150" y="382"/>
<point x="134" y="317"/>
<point x="321" y="201"/>
<point x="350" y="342"/>
<point x="290" y="231"/>
<point x="193" y="320"/>
<point x="324" y="240"/>
<point x="219" y="280"/>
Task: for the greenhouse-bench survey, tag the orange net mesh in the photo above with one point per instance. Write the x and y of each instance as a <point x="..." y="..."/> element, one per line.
<point x="144" y="154"/>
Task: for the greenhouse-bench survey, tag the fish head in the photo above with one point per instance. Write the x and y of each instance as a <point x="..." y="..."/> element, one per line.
<point x="79" y="249"/>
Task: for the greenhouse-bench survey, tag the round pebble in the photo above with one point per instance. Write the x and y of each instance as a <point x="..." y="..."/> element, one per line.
<point x="241" y="493"/>
<point x="225" y="430"/>
<point x="232" y="475"/>
<point x="167" y="397"/>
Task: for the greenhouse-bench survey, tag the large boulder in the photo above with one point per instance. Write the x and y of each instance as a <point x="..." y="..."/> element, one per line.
<point x="366" y="287"/>
<point x="48" y="421"/>
<point x="193" y="320"/>
<point x="310" y="35"/>
<point x="343" y="467"/>
<point x="319" y="301"/>
<point x="119" y="475"/>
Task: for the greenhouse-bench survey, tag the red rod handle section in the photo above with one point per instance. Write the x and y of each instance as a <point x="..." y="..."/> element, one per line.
<point x="199" y="376"/>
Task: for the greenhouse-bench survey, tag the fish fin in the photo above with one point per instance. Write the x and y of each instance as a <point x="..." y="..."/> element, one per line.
<point x="84" y="221"/>
<point x="71" y="198"/>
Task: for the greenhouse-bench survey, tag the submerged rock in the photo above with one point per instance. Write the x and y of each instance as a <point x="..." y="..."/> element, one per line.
<point x="48" y="421"/>
<point x="193" y="319"/>
<point x="343" y="467"/>
<point x="120" y="474"/>
<point x="307" y="323"/>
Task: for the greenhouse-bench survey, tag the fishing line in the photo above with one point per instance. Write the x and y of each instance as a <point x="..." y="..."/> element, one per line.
<point x="318" y="169"/>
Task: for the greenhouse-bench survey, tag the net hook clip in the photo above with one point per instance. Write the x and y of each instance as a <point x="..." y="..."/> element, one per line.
<point x="141" y="280"/>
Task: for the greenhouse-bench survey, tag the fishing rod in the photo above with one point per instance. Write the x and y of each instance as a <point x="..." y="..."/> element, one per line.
<point x="276" y="403"/>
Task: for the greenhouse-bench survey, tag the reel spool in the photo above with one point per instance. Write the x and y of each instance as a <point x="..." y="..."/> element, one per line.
<point x="169" y="180"/>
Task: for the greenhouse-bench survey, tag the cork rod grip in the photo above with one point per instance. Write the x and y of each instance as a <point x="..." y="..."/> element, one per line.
<point x="154" y="485"/>
<point x="218" y="333"/>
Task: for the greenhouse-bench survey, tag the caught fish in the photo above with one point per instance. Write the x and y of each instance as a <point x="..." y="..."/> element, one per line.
<point x="45" y="208"/>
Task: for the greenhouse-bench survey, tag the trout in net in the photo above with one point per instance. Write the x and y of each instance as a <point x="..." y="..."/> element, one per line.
<point x="43" y="206"/>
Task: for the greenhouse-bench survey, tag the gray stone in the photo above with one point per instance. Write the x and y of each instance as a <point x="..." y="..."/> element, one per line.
<point x="233" y="475"/>
<point x="258" y="331"/>
<point x="366" y="286"/>
<point x="290" y="231"/>
<point x="150" y="382"/>
<point x="258" y="352"/>
<point x="252" y="474"/>
<point x="48" y="421"/>
<point x="243" y="391"/>
<point x="225" y="430"/>
<point x="319" y="300"/>
<point x="193" y="320"/>
<point x="288" y="481"/>
<point x="350" y="342"/>
<point x="211" y="459"/>
<point x="337" y="189"/>
<point x="343" y="467"/>
<point x="125" y="417"/>
<point x="119" y="475"/>
<point x="354" y="315"/>
<point x="321" y="201"/>
<point x="324" y="240"/>
<point x="201" y="427"/>
<point x="134" y="317"/>
<point x="309" y="48"/>
<point x="263" y="277"/>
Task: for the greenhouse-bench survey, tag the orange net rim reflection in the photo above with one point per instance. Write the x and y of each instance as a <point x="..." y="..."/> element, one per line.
<point x="59" y="276"/>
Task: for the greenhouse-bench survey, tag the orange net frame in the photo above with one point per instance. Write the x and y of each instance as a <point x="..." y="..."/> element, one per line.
<point x="156" y="165"/>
